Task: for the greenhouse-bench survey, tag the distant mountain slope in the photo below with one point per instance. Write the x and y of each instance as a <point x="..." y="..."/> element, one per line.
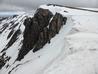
<point x="55" y="40"/>
<point x="11" y="35"/>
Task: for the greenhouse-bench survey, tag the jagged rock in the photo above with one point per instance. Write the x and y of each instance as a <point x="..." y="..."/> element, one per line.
<point x="33" y="28"/>
<point x="27" y="21"/>
<point x="13" y="25"/>
<point x="10" y="34"/>
<point x="12" y="40"/>
<point x="3" y="60"/>
<point x="55" y="25"/>
<point x="31" y="35"/>
<point x="2" y="18"/>
<point x="4" y="27"/>
<point x="43" y="39"/>
<point x="39" y="30"/>
<point x="43" y="17"/>
<point x="54" y="28"/>
<point x="14" y="16"/>
<point x="64" y="20"/>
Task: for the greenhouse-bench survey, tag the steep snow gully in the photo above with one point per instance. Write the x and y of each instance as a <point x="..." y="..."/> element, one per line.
<point x="72" y="48"/>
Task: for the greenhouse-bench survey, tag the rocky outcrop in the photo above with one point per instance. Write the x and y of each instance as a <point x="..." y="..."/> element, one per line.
<point x="43" y="39"/>
<point x="33" y="27"/>
<point x="39" y="30"/>
<point x="55" y="25"/>
<point x="49" y="32"/>
<point x="4" y="27"/>
<point x="43" y="17"/>
<point x="12" y="40"/>
<point x="3" y="60"/>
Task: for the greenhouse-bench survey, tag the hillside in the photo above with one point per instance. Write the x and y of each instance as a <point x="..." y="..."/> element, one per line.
<point x="55" y="40"/>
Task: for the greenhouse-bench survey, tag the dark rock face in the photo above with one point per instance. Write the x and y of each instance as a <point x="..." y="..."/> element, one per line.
<point x="13" y="39"/>
<point x="43" y="17"/>
<point x="55" y="25"/>
<point x="39" y="30"/>
<point x="33" y="29"/>
<point x="31" y="35"/>
<point x="3" y="18"/>
<point x="10" y="34"/>
<point x="13" y="25"/>
<point x="4" y="27"/>
<point x="3" y="60"/>
<point x="43" y="39"/>
<point x="64" y="20"/>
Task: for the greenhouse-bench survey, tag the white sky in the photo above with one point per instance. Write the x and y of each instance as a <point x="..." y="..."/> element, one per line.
<point x="6" y="5"/>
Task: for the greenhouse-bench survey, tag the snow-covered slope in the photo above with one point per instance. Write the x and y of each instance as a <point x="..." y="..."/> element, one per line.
<point x="81" y="55"/>
<point x="73" y="51"/>
<point x="11" y="36"/>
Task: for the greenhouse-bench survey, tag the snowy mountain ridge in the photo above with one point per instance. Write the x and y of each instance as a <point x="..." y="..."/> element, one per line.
<point x="73" y="50"/>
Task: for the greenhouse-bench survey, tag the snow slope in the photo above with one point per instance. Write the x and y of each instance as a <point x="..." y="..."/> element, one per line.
<point x="81" y="56"/>
<point x="73" y="51"/>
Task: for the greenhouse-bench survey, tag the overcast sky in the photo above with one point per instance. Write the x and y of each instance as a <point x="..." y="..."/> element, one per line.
<point x="21" y="5"/>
